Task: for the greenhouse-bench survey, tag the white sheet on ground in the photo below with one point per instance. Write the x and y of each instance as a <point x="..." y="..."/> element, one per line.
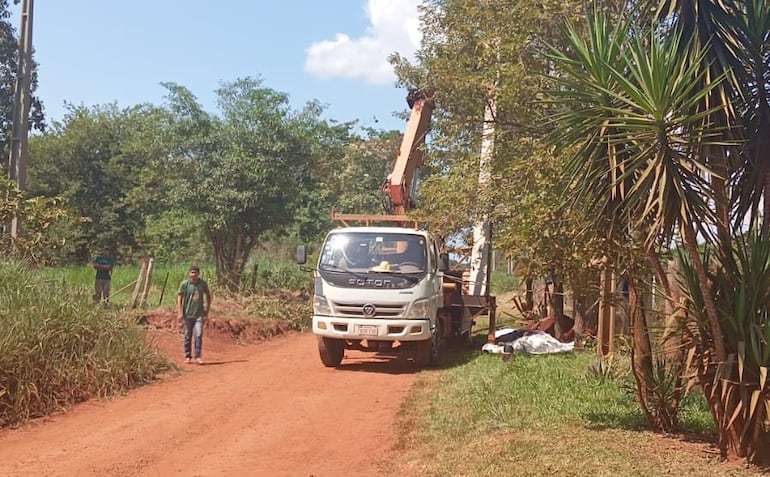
<point x="536" y="343"/>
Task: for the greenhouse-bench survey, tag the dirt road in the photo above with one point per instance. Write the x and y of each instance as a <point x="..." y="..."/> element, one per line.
<point x="263" y="409"/>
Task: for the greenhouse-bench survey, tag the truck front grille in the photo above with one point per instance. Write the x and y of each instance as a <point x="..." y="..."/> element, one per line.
<point x="381" y="310"/>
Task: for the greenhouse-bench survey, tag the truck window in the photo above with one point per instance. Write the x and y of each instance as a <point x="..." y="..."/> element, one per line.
<point x="361" y="251"/>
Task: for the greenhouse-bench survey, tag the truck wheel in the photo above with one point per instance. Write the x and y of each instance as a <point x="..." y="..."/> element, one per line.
<point x="466" y="338"/>
<point x="331" y="351"/>
<point x="427" y="352"/>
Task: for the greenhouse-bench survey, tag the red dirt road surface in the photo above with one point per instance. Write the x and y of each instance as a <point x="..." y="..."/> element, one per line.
<point x="267" y="409"/>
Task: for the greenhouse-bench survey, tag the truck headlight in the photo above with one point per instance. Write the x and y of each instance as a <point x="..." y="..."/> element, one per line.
<point x="321" y="305"/>
<point x="419" y="309"/>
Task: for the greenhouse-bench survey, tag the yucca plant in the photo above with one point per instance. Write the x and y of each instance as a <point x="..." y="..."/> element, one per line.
<point x="667" y="392"/>
<point x="602" y="370"/>
<point x="630" y="109"/>
<point x="740" y="287"/>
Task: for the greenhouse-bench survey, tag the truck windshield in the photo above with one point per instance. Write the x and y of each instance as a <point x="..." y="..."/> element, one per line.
<point x="374" y="253"/>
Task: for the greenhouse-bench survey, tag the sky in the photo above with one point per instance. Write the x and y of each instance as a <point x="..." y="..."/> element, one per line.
<point x="95" y="52"/>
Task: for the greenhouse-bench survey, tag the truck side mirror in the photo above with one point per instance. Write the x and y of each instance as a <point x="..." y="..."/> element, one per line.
<point x="301" y="256"/>
<point x="443" y="262"/>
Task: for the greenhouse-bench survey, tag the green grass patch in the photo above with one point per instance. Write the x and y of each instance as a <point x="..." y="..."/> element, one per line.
<point x="264" y="273"/>
<point x="543" y="415"/>
<point x="502" y="282"/>
<point x="165" y="279"/>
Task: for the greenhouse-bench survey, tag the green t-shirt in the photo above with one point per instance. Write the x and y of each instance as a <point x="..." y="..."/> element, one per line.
<point x="192" y="297"/>
<point x="104" y="260"/>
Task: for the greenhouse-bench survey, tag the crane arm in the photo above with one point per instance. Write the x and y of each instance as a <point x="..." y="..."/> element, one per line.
<point x="399" y="186"/>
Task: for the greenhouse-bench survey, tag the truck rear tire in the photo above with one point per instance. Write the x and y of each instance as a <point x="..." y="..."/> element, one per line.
<point x="331" y="351"/>
<point x="427" y="352"/>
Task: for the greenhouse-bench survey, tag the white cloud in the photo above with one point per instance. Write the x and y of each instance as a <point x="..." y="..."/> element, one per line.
<point x="394" y="27"/>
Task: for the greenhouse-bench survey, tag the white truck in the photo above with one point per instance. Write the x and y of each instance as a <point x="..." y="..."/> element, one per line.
<point x="388" y="287"/>
<point x="376" y="288"/>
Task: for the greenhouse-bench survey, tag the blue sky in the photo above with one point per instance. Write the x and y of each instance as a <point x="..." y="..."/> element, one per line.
<point x="101" y="51"/>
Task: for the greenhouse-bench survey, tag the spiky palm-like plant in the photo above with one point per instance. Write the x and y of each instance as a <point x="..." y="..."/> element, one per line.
<point x="740" y="286"/>
<point x="731" y="39"/>
<point x="632" y="111"/>
<point x="678" y="132"/>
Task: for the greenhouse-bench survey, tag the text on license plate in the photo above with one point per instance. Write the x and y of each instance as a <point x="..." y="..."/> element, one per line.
<point x="369" y="330"/>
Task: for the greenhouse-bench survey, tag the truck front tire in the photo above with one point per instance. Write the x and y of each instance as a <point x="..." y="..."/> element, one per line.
<point x="331" y="351"/>
<point x="427" y="352"/>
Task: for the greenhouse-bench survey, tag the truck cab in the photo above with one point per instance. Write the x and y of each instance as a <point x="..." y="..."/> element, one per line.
<point x="378" y="288"/>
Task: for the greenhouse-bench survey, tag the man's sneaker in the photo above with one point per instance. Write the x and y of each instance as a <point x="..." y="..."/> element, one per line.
<point x="199" y="360"/>
<point x="188" y="360"/>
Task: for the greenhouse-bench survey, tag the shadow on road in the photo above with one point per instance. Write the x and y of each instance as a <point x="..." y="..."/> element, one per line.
<point x="401" y="362"/>
<point x="218" y="363"/>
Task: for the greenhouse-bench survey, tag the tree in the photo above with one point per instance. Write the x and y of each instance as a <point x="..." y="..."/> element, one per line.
<point x="729" y="45"/>
<point x="42" y="217"/>
<point x="362" y="171"/>
<point x="242" y="171"/>
<point x="478" y="52"/>
<point x="94" y="159"/>
<point x="629" y="100"/>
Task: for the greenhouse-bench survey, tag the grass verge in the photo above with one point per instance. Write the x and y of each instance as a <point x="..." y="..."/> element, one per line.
<point x="544" y="415"/>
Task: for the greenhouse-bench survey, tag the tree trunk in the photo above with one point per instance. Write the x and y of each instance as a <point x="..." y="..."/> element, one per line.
<point x="642" y="364"/>
<point x="231" y="252"/>
<point x="578" y="308"/>
<point x="529" y="294"/>
<point x="728" y="438"/>
<point x="745" y="437"/>
<point x="561" y="324"/>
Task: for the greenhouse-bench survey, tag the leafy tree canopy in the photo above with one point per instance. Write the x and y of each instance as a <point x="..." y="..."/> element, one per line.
<point x="243" y="170"/>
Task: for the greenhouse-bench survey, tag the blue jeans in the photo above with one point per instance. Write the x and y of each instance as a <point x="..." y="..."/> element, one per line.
<point x="193" y="326"/>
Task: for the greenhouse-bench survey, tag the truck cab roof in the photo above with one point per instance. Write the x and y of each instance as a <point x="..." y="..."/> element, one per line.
<point x="381" y="230"/>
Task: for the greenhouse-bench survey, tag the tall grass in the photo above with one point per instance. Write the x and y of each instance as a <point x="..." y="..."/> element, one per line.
<point x="276" y="272"/>
<point x="58" y="348"/>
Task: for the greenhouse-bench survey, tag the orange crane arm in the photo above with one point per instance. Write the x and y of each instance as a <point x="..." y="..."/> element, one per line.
<point x="398" y="187"/>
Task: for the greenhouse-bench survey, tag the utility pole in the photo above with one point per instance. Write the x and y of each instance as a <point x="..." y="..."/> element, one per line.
<point x="482" y="230"/>
<point x="17" y="162"/>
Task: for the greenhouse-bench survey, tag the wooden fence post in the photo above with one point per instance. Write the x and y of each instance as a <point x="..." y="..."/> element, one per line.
<point x="135" y="295"/>
<point x="148" y="281"/>
<point x="163" y="289"/>
<point x="254" y="276"/>
<point x="605" y="333"/>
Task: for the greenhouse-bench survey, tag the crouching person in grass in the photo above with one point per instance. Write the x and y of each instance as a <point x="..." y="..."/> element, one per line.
<point x="193" y="304"/>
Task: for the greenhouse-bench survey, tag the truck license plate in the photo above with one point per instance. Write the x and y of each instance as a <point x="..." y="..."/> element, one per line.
<point x="369" y="330"/>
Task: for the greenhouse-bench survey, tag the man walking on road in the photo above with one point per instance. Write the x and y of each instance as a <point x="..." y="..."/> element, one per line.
<point x="193" y="304"/>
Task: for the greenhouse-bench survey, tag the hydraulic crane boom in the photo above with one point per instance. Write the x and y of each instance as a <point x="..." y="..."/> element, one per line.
<point x="399" y="187"/>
